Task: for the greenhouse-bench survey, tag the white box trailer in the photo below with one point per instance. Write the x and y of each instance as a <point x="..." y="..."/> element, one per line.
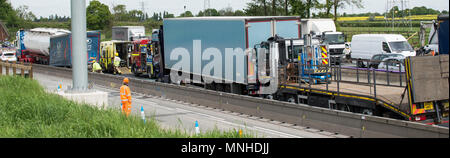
<point x="128" y="33"/>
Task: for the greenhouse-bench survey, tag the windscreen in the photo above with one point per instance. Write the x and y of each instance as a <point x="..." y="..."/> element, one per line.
<point x="400" y="46"/>
<point x="335" y="38"/>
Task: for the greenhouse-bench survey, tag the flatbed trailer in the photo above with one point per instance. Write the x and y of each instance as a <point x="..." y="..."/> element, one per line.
<point x="379" y="99"/>
<point x="351" y="97"/>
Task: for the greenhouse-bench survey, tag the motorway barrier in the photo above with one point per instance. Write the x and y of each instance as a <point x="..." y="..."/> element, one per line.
<point x="341" y="122"/>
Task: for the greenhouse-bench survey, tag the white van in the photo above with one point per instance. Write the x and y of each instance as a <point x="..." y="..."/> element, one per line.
<point x="364" y="46"/>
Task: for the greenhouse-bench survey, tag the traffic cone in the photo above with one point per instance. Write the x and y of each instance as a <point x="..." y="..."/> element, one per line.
<point x="142" y="113"/>
<point x="197" y="129"/>
<point x="240" y="133"/>
<point x="59" y="87"/>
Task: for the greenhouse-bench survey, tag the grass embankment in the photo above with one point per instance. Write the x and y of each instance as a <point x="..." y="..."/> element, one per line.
<point x="27" y="111"/>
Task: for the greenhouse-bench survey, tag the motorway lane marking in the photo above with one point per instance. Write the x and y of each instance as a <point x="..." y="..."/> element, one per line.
<point x="256" y="128"/>
<point x="156" y="105"/>
<point x="280" y="133"/>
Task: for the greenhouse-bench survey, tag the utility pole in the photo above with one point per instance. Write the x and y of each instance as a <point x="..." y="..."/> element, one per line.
<point x="207" y="5"/>
<point x="143" y="10"/>
<point x="274" y="9"/>
<point x="79" y="49"/>
<point x="265" y="7"/>
<point x="286" y="7"/>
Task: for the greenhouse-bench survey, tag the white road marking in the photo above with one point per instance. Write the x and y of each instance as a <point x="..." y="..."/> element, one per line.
<point x="280" y="133"/>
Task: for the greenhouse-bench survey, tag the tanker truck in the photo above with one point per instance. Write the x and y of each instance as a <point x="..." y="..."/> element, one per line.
<point x="33" y="45"/>
<point x="52" y="46"/>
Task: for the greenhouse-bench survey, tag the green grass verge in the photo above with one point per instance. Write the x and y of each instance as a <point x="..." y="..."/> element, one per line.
<point x="27" y="111"/>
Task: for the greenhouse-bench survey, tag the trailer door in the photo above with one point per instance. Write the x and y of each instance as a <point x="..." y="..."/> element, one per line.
<point x="288" y="28"/>
<point x="257" y="32"/>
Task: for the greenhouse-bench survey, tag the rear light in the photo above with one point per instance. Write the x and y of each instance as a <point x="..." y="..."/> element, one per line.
<point x="421" y="118"/>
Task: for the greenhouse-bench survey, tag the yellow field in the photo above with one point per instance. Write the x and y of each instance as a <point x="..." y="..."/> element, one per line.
<point x="413" y="17"/>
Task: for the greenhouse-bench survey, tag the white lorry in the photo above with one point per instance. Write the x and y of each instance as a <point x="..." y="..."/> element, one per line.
<point x="128" y="33"/>
<point x="326" y="30"/>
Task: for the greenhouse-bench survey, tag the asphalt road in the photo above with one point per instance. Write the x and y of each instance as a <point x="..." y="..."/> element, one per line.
<point x="178" y="115"/>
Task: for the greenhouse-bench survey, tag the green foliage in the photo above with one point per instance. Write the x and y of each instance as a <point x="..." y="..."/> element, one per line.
<point x="9" y="15"/>
<point x="208" y="12"/>
<point x="98" y="15"/>
<point x="187" y="14"/>
<point x="266" y="8"/>
<point x="27" y="111"/>
<point x="120" y="13"/>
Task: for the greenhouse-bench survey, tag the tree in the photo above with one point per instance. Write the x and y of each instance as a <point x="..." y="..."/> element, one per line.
<point x="239" y="13"/>
<point x="120" y="12"/>
<point x="228" y="11"/>
<point x="260" y="8"/>
<point x="9" y="15"/>
<point x="187" y="14"/>
<point x="25" y="14"/>
<point x="211" y="12"/>
<point x="98" y="15"/>
<point x="327" y="7"/>
<point x="303" y="8"/>
<point x="167" y="15"/>
<point x="342" y="3"/>
<point x="135" y="15"/>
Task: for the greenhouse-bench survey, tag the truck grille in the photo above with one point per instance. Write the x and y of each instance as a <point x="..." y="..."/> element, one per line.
<point x="336" y="51"/>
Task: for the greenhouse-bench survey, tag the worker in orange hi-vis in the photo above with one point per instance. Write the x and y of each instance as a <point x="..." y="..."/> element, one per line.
<point x="125" y="97"/>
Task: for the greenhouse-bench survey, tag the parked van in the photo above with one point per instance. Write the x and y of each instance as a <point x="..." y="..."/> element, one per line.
<point x="365" y="46"/>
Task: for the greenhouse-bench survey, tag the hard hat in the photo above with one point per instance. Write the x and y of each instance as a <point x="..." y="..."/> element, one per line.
<point x="94" y="61"/>
<point x="126" y="80"/>
<point x="117" y="54"/>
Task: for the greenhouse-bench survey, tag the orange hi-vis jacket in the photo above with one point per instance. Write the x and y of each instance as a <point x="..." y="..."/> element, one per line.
<point x="125" y="97"/>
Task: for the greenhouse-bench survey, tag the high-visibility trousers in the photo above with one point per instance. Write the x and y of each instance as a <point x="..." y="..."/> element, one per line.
<point x="126" y="108"/>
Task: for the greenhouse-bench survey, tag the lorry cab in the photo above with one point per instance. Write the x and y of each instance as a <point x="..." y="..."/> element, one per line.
<point x="336" y="45"/>
<point x="365" y="46"/>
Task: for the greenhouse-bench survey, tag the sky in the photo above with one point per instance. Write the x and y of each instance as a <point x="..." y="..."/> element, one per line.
<point x="46" y="8"/>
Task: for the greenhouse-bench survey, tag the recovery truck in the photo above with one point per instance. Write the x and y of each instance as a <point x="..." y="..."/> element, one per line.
<point x="300" y="66"/>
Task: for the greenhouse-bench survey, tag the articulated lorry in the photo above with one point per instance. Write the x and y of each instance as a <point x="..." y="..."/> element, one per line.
<point x="34" y="45"/>
<point x="52" y="46"/>
<point x="267" y="57"/>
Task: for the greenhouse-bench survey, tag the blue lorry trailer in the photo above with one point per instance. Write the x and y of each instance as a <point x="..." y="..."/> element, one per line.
<point x="61" y="49"/>
<point x="443" y="34"/>
<point x="222" y="33"/>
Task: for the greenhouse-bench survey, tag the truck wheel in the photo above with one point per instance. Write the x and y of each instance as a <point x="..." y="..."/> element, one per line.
<point x="291" y="99"/>
<point x="367" y="112"/>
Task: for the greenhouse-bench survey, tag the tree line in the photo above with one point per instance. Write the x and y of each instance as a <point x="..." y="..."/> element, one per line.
<point x="100" y="16"/>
